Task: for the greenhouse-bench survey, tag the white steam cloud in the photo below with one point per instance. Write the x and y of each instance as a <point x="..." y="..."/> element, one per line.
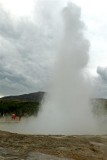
<point x="67" y="109"/>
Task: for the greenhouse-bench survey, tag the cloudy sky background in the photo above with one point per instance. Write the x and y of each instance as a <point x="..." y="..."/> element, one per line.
<point x="30" y="34"/>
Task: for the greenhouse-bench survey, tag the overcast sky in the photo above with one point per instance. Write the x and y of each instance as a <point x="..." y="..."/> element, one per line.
<point x="30" y="31"/>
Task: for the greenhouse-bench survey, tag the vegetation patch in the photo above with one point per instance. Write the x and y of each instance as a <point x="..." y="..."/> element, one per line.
<point x="20" y="108"/>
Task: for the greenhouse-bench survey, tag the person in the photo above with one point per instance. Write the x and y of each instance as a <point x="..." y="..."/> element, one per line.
<point x="14" y="116"/>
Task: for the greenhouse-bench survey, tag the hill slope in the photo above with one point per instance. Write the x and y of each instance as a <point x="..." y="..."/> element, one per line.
<point x="26" y="104"/>
<point x="32" y="97"/>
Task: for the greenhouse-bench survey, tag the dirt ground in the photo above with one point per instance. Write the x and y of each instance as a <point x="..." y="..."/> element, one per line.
<point x="40" y="147"/>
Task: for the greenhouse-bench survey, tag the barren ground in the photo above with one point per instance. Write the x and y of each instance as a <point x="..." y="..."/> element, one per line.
<point x="40" y="147"/>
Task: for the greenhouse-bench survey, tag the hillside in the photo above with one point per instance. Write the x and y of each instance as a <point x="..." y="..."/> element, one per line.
<point x="29" y="104"/>
<point x="32" y="97"/>
<point x="21" y="105"/>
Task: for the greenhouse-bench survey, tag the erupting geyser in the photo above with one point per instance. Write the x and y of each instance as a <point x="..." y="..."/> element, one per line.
<point x="66" y="108"/>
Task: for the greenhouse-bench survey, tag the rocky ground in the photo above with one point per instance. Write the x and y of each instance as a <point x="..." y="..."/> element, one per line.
<point x="39" y="147"/>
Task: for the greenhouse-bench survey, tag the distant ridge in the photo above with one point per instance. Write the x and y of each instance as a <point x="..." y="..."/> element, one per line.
<point x="31" y="97"/>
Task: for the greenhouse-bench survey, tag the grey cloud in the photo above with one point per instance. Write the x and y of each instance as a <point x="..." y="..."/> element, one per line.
<point x="27" y="52"/>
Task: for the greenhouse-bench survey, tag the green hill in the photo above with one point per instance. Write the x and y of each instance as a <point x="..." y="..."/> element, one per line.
<point x="21" y="105"/>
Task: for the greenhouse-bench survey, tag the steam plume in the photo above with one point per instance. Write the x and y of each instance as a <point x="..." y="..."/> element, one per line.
<point x="66" y="109"/>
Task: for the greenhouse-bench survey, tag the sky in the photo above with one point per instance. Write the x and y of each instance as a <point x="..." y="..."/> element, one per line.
<point x="30" y="32"/>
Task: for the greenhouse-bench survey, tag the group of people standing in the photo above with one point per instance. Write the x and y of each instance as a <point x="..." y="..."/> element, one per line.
<point x="7" y="116"/>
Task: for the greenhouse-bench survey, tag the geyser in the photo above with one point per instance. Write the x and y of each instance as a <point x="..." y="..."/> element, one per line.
<point x="66" y="108"/>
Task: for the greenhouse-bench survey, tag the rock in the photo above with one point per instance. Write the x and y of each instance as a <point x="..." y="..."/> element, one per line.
<point x="2" y="158"/>
<point x="41" y="156"/>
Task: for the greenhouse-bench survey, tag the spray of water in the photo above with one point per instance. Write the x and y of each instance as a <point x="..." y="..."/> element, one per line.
<point x="66" y="108"/>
